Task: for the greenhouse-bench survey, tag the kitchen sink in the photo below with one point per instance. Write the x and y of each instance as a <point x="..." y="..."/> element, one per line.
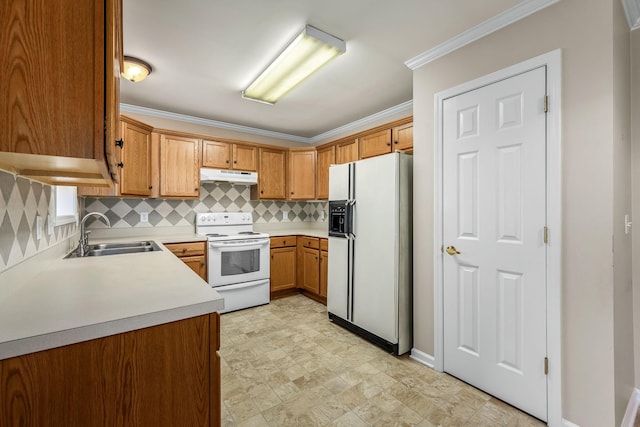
<point x="103" y="249"/>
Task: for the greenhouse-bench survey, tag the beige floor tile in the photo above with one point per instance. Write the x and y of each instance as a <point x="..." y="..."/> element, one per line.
<point x="285" y="364"/>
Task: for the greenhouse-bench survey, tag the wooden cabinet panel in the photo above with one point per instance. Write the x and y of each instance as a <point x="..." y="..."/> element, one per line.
<point x="347" y="152"/>
<point x="162" y="375"/>
<point x="179" y="166"/>
<point x="272" y="175"/>
<point x="311" y="270"/>
<point x="194" y="254"/>
<point x="245" y="158"/>
<point x="135" y="160"/>
<point x="375" y="144"/>
<point x="216" y="154"/>
<point x="324" y="270"/>
<point x="50" y="108"/>
<point x="325" y="158"/>
<point x="403" y="137"/>
<point x="302" y="175"/>
<point x="283" y="268"/>
<point x="280" y="242"/>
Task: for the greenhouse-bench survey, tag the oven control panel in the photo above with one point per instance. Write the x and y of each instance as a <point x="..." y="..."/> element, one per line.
<point x="224" y="218"/>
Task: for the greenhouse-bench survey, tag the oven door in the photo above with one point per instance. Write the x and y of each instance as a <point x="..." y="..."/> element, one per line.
<point x="237" y="261"/>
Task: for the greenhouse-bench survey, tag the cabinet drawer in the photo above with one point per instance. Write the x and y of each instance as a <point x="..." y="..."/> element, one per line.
<point x="187" y="249"/>
<point x="324" y="244"/>
<point x="283" y="241"/>
<point x="310" y="242"/>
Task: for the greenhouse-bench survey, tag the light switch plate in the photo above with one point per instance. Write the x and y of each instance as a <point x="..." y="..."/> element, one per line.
<point x="38" y="227"/>
<point x="144" y="216"/>
<point x="49" y="224"/>
<point x="285" y="214"/>
<point x="321" y="215"/>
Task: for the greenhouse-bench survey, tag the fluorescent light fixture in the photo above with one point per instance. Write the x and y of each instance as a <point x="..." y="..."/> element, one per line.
<point x="135" y="70"/>
<point x="306" y="54"/>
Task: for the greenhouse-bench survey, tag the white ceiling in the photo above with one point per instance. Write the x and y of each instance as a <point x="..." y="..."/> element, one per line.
<point x="205" y="52"/>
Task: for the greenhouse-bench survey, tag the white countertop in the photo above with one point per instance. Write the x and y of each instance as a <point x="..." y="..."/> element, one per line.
<point x="48" y="302"/>
<point x="311" y="229"/>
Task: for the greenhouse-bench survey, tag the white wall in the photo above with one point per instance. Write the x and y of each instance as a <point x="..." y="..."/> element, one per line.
<point x="584" y="29"/>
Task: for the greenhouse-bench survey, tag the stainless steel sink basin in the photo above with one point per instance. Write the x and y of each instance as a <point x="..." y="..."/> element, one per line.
<point x="103" y="249"/>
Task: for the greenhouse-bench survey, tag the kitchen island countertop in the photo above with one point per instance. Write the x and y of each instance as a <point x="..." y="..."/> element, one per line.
<point x="48" y="301"/>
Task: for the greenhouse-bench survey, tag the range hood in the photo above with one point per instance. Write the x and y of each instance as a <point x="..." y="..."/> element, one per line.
<point x="222" y="175"/>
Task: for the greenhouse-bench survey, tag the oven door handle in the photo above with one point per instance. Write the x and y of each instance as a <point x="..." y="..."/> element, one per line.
<point x="258" y="242"/>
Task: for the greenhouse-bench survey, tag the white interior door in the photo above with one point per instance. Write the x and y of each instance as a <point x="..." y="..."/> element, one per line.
<point x="494" y="214"/>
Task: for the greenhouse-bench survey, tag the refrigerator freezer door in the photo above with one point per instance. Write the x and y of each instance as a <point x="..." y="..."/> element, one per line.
<point x="375" y="291"/>
<point x="339" y="182"/>
<point x="338" y="277"/>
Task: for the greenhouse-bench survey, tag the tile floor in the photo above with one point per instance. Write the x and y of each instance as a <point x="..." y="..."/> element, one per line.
<point x="285" y="364"/>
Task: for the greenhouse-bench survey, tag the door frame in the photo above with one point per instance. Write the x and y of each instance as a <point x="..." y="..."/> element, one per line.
<point x="553" y="62"/>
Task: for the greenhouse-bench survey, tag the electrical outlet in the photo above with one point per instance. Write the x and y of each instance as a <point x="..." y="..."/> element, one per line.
<point x="144" y="216"/>
<point x="321" y="215"/>
<point x="49" y="224"/>
<point x="285" y="214"/>
<point x="38" y="227"/>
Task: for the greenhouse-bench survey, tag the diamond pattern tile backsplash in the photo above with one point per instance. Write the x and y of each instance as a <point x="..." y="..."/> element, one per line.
<point x="214" y="197"/>
<point x="21" y="201"/>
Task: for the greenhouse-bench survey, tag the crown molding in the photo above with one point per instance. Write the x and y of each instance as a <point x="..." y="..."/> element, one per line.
<point x="213" y="123"/>
<point x="373" y="119"/>
<point x="632" y="10"/>
<point x="501" y="20"/>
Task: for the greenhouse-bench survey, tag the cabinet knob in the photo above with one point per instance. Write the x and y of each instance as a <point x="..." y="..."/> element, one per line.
<point x="151" y="187"/>
<point x="395" y="142"/>
<point x="195" y="189"/>
<point x="184" y="250"/>
<point x="120" y="143"/>
<point x="235" y="161"/>
<point x="292" y="192"/>
<point x="388" y="144"/>
<point x="202" y="263"/>
<point x="227" y="161"/>
<point x="271" y="256"/>
<point x="261" y="192"/>
<point x="284" y="242"/>
<point x="120" y="165"/>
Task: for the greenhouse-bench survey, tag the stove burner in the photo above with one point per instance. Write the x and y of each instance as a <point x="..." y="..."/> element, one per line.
<point x="216" y="235"/>
<point x="248" y="232"/>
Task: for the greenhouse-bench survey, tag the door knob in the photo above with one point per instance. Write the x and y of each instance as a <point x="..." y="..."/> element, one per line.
<point x="451" y="250"/>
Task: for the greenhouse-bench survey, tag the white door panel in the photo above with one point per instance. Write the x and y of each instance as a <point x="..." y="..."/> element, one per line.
<point x="339" y="182"/>
<point x="494" y="210"/>
<point x="376" y="230"/>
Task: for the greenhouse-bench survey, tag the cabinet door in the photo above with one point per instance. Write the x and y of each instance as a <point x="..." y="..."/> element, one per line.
<point x="325" y="158"/>
<point x="375" y="144"/>
<point x="403" y="137"/>
<point x="216" y="154"/>
<point x="311" y="272"/>
<point x="197" y="263"/>
<point x="271" y="179"/>
<point x="245" y="158"/>
<point x="324" y="267"/>
<point x="135" y="172"/>
<point x="347" y="152"/>
<point x="302" y="175"/>
<point x="283" y="268"/>
<point x="179" y="166"/>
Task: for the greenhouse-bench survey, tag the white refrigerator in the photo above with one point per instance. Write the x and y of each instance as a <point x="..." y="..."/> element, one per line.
<point x="370" y="249"/>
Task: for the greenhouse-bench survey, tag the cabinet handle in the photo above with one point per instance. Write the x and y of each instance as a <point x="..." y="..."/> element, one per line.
<point x="120" y="165"/>
<point x="120" y="143"/>
<point x="227" y="161"/>
<point x="388" y="144"/>
<point x="151" y="187"/>
<point x="292" y="192"/>
<point x="202" y="263"/>
<point x="271" y="256"/>
<point x="195" y="189"/>
<point x="395" y="142"/>
<point x="284" y="242"/>
<point x="235" y="161"/>
<point x="261" y="192"/>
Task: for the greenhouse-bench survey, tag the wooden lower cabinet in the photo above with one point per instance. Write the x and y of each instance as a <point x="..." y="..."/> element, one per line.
<point x="324" y="267"/>
<point x="283" y="266"/>
<point x="165" y="375"/>
<point x="311" y="270"/>
<point x="194" y="254"/>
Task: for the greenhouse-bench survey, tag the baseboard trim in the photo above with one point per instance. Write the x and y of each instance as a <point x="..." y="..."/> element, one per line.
<point x="566" y="423"/>
<point x="422" y="357"/>
<point x="632" y="409"/>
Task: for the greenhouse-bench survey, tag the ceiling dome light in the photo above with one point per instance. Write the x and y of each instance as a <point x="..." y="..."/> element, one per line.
<point x="135" y="70"/>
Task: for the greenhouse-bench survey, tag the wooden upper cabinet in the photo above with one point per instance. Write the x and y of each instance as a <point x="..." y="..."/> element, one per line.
<point x="48" y="107"/>
<point x="375" y="144"/>
<point x="271" y="175"/>
<point x="135" y="158"/>
<point x="225" y="155"/>
<point x="325" y="157"/>
<point x="216" y="154"/>
<point x="403" y="137"/>
<point x="179" y="166"/>
<point x="347" y="151"/>
<point x="302" y="175"/>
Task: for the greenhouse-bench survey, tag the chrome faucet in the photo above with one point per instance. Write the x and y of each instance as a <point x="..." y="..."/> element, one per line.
<point x="84" y="235"/>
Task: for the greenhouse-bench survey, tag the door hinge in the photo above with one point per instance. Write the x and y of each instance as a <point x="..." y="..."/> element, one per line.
<point x="546" y="104"/>
<point x="546" y="235"/>
<point x="546" y="366"/>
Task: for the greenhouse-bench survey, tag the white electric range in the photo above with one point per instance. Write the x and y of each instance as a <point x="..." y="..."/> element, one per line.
<point x="238" y="258"/>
